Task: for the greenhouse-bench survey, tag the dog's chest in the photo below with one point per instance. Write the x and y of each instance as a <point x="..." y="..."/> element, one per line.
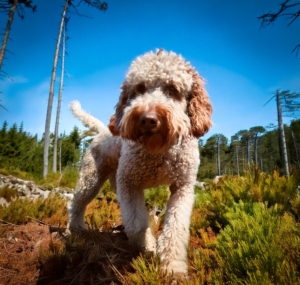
<point x="144" y="170"/>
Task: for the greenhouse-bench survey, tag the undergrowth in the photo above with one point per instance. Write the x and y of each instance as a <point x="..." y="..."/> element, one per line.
<point x="244" y="230"/>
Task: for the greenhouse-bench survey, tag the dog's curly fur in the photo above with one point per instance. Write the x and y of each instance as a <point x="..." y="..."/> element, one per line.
<point x="151" y="140"/>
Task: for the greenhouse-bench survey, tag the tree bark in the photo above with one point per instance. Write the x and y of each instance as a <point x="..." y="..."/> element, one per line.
<point x="248" y="154"/>
<point x="237" y="159"/>
<point x="218" y="156"/>
<point x="296" y="149"/>
<point x="51" y="94"/>
<point x="282" y="136"/>
<point x="54" y="168"/>
<point x="7" y="30"/>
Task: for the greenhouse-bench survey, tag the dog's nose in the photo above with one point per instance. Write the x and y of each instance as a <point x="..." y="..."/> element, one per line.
<point x="148" y="121"/>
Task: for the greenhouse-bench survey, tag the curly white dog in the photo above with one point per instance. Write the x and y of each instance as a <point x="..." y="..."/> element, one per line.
<point x="151" y="140"/>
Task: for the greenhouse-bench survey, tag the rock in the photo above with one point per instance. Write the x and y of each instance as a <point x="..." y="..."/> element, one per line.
<point x="28" y="189"/>
<point x="201" y="185"/>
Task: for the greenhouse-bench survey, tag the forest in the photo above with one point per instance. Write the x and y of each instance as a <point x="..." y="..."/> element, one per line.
<point x="257" y="146"/>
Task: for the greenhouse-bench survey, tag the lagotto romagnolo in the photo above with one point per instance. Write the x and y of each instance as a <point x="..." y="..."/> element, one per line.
<point x="151" y="140"/>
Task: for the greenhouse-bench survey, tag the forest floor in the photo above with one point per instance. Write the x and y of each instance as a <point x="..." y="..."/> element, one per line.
<point x="37" y="253"/>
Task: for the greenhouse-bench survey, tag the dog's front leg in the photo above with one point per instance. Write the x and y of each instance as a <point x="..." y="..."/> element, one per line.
<point x="135" y="216"/>
<point x="173" y="241"/>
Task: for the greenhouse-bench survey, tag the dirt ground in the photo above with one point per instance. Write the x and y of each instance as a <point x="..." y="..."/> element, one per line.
<point x="36" y="253"/>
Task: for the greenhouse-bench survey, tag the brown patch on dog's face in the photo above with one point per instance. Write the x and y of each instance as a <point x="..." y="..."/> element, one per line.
<point x="172" y="91"/>
<point x="138" y="89"/>
<point x="152" y="128"/>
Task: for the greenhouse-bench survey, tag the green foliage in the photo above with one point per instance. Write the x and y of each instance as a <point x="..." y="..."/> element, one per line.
<point x="146" y="272"/>
<point x="21" y="151"/>
<point x="107" y="192"/>
<point x="205" y="260"/>
<point x="259" y="246"/>
<point x="20" y="210"/>
<point x="101" y="211"/>
<point x="253" y="146"/>
<point x="157" y="197"/>
<point x="211" y="205"/>
<point x="68" y="179"/>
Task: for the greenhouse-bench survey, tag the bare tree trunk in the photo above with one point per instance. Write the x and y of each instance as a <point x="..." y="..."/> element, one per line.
<point x="59" y="99"/>
<point x="296" y="149"/>
<point x="51" y="94"/>
<point x="218" y="156"/>
<point x="60" y="146"/>
<point x="282" y="135"/>
<point x="7" y="30"/>
<point x="248" y="153"/>
<point x="237" y="159"/>
<point x="255" y="149"/>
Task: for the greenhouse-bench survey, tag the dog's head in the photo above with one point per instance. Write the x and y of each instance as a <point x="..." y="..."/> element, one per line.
<point x="163" y="98"/>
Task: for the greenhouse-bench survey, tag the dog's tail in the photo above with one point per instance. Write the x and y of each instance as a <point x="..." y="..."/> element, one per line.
<point x="87" y="119"/>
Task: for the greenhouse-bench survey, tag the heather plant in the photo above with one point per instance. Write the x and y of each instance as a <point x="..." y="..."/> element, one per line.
<point x="8" y="194"/>
<point x="19" y="211"/>
<point x="157" y="197"/>
<point x="204" y="259"/>
<point x="259" y="246"/>
<point x="100" y="212"/>
<point x="256" y="186"/>
<point x="107" y="192"/>
<point x="145" y="272"/>
<point x="67" y="179"/>
<point x="17" y="173"/>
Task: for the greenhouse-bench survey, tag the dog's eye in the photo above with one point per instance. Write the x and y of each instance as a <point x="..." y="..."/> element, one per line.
<point x="141" y="88"/>
<point x="172" y="92"/>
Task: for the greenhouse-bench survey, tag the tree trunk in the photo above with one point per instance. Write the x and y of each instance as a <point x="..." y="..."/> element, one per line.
<point x="59" y="99"/>
<point x="218" y="157"/>
<point x="282" y="135"/>
<point x="7" y="30"/>
<point x="237" y="159"/>
<point x="255" y="149"/>
<point x="60" y="146"/>
<point x="51" y="94"/>
<point x="248" y="154"/>
<point x="296" y="149"/>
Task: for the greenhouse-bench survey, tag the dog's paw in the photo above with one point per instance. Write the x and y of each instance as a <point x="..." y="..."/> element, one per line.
<point x="168" y="278"/>
<point x="73" y="227"/>
<point x="150" y="242"/>
<point x="176" y="269"/>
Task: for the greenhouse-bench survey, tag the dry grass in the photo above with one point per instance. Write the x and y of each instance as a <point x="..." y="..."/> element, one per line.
<point x="38" y="254"/>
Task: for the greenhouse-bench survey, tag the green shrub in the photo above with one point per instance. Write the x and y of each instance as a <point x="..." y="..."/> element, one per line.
<point x="17" y="173"/>
<point x="259" y="246"/>
<point x="205" y="262"/>
<point x="67" y="179"/>
<point x="101" y="211"/>
<point x="20" y="210"/>
<point x="157" y="197"/>
<point x="146" y="272"/>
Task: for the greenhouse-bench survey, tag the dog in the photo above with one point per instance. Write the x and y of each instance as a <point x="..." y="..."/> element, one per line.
<point x="151" y="140"/>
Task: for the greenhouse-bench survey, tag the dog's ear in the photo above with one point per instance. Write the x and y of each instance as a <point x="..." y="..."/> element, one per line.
<point x="114" y="124"/>
<point x="199" y="107"/>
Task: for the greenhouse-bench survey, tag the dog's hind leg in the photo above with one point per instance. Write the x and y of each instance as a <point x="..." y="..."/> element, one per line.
<point x="94" y="172"/>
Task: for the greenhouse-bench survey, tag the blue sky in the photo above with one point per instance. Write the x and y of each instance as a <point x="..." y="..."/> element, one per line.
<point x="242" y="63"/>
